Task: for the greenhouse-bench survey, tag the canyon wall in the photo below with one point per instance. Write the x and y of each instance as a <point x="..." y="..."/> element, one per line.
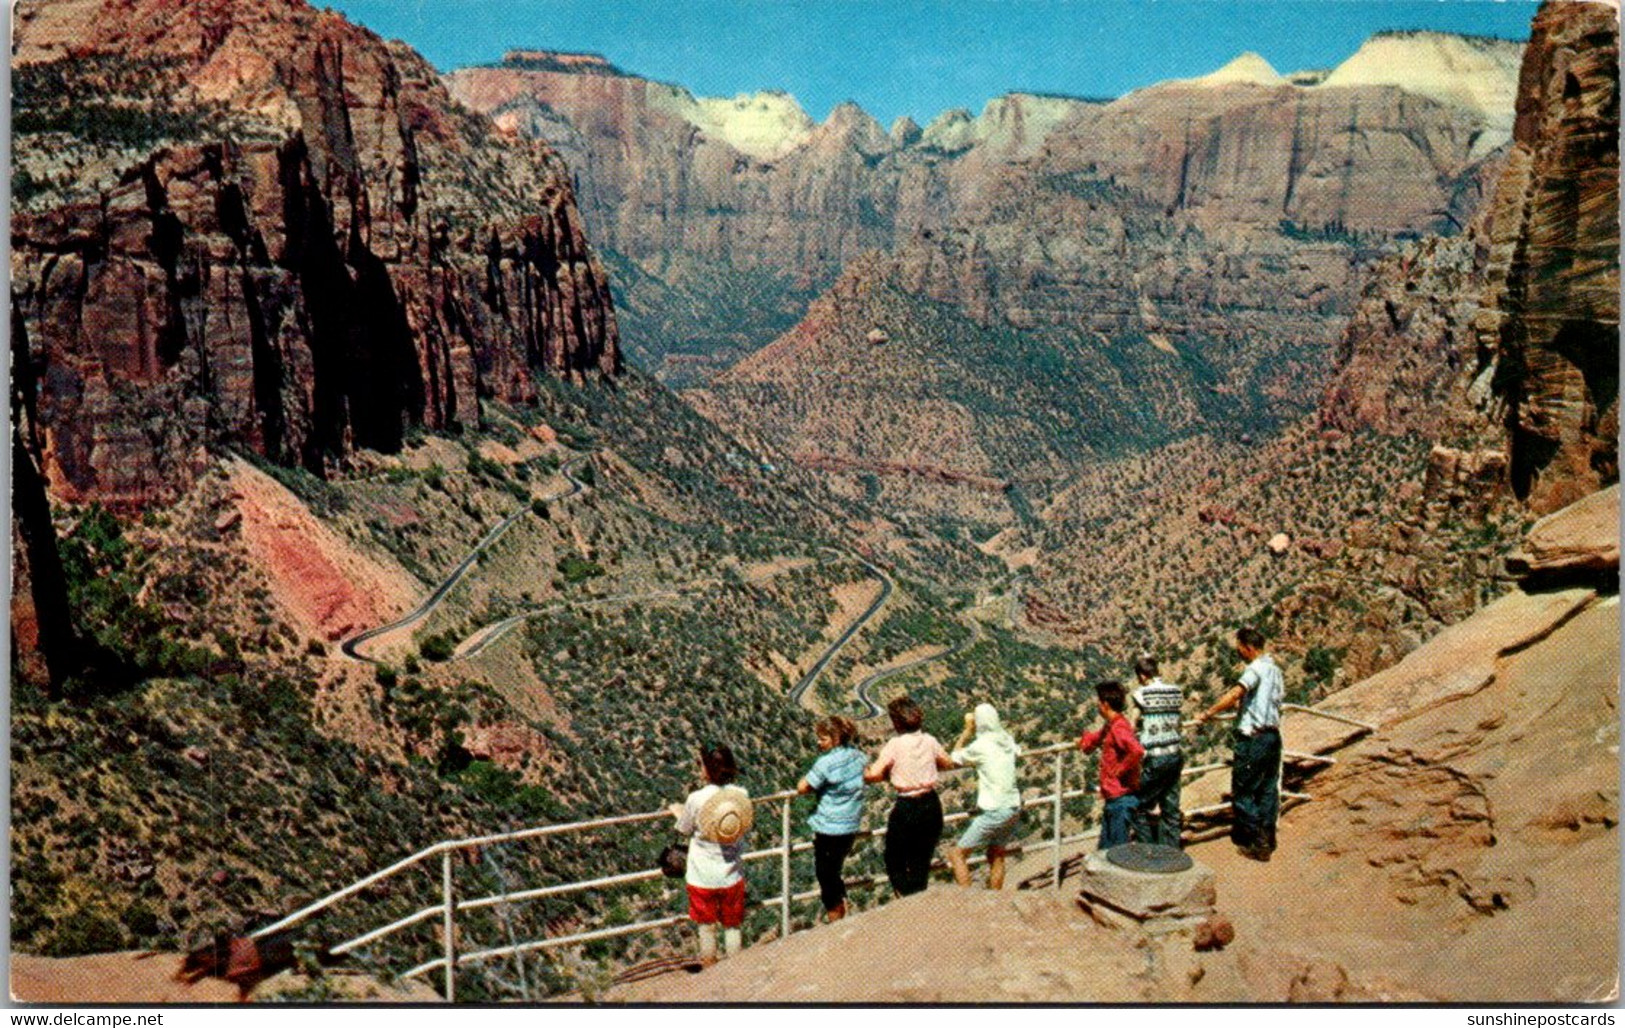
<point x="287" y="239"/>
<point x="1548" y="328"/>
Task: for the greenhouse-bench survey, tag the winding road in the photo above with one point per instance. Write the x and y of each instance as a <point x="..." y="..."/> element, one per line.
<point x="476" y="644"/>
<point x="873" y="709"/>
<point x="811" y="677"/>
<point x="487" y="635"/>
<point x="350" y="646"/>
<point x="863" y="691"/>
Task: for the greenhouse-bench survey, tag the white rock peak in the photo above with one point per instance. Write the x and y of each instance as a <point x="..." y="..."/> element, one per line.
<point x="765" y="125"/>
<point x="1475" y="73"/>
<point x="1248" y="68"/>
<point x="1015" y="124"/>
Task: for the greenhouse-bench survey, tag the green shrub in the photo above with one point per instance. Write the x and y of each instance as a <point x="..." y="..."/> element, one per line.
<point x="141" y="921"/>
<point x="578" y="569"/>
<point x="438" y="648"/>
<point x="84" y="931"/>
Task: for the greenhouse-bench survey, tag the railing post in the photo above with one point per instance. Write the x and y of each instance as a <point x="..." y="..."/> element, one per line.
<point x="784" y="871"/>
<point x="1060" y="761"/>
<point x="447" y="926"/>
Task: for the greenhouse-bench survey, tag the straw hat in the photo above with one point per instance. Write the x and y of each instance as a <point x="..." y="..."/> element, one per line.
<point x="726" y="816"/>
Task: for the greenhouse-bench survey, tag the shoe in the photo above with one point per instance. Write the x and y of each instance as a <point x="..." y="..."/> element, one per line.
<point x="831" y="916"/>
<point x="1258" y="853"/>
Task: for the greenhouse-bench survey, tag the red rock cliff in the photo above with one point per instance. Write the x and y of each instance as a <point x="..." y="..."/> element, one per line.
<point x="1548" y="328"/>
<point x="316" y="250"/>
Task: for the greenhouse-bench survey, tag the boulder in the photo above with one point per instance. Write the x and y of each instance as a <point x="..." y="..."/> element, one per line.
<point x="1580" y="540"/>
<point x="1213" y="934"/>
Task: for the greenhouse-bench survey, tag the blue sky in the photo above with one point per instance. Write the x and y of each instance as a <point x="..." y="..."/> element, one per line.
<point x="919" y="57"/>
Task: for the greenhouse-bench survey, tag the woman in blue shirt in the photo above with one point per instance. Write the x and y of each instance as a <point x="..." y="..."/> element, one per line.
<point x="837" y="779"/>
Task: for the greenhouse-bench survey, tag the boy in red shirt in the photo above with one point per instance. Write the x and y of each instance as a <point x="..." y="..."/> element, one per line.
<point x="1120" y="756"/>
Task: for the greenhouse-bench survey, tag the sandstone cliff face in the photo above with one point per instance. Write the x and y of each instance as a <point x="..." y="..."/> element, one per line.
<point x="660" y="174"/>
<point x="1286" y="181"/>
<point x="311" y="250"/>
<point x="1548" y="331"/>
<point x="1403" y="355"/>
<point x="1367" y="158"/>
<point x="1502" y="345"/>
<point x="654" y="182"/>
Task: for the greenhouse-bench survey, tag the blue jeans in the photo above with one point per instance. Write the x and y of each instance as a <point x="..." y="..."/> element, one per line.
<point x="1255" y="788"/>
<point x="1159" y="791"/>
<point x="1115" y="821"/>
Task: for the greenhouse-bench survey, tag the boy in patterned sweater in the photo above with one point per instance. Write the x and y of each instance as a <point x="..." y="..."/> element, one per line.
<point x="1159" y="705"/>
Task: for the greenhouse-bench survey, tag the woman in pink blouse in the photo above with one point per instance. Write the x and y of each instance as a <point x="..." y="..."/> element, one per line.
<point x="910" y="761"/>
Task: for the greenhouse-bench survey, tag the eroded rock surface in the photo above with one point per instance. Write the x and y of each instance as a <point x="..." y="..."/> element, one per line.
<point x="1581" y="539"/>
<point x="1549" y="324"/>
<point x="302" y="246"/>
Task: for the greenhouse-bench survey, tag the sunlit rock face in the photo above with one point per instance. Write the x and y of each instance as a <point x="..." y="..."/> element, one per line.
<point x="311" y="248"/>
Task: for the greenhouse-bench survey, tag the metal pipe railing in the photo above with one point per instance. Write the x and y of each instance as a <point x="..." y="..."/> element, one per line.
<point x="1329" y="716"/>
<point x="450" y="904"/>
<point x="787" y="847"/>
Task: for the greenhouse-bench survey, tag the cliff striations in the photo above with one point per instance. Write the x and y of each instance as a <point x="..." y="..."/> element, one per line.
<point x="1548" y="330"/>
<point x="733" y="206"/>
<point x="261" y="226"/>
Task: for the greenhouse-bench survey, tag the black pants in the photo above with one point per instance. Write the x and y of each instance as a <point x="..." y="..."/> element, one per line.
<point x="1159" y="791"/>
<point x="912" y="833"/>
<point x="1255" y="788"/>
<point x="829" y="859"/>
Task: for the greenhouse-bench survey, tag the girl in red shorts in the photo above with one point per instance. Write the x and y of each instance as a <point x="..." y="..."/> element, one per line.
<point x="717" y="817"/>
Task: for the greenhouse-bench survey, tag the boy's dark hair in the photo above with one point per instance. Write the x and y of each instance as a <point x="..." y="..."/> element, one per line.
<point x="719" y="765"/>
<point x="1146" y="666"/>
<point x="1112" y="693"/>
<point x="839" y="728"/>
<point x="1250" y="637"/>
<point x="906" y="715"/>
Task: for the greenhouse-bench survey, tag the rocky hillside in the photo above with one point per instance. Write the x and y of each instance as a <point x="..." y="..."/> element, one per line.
<point x="300" y="345"/>
<point x="298" y="339"/>
<point x="1181" y="260"/>
<point x="264" y="227"/>
<point x="1136" y="327"/>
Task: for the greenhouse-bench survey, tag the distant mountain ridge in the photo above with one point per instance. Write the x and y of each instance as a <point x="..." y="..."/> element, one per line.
<point x="1478" y="73"/>
<point x="709" y="199"/>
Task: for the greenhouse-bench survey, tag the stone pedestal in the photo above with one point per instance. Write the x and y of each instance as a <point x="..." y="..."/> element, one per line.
<point x="1155" y="901"/>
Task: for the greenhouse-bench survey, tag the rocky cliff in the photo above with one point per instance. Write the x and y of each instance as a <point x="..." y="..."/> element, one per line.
<point x="1355" y="154"/>
<point x="1179" y="258"/>
<point x="261" y="226"/>
<point x="671" y="180"/>
<point x="754" y="180"/>
<point x="1548" y="329"/>
<point x="1502" y="347"/>
<point x="1444" y="375"/>
<point x="750" y="181"/>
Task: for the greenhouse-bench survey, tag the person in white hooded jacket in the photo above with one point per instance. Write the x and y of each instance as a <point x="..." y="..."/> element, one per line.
<point x="998" y="798"/>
